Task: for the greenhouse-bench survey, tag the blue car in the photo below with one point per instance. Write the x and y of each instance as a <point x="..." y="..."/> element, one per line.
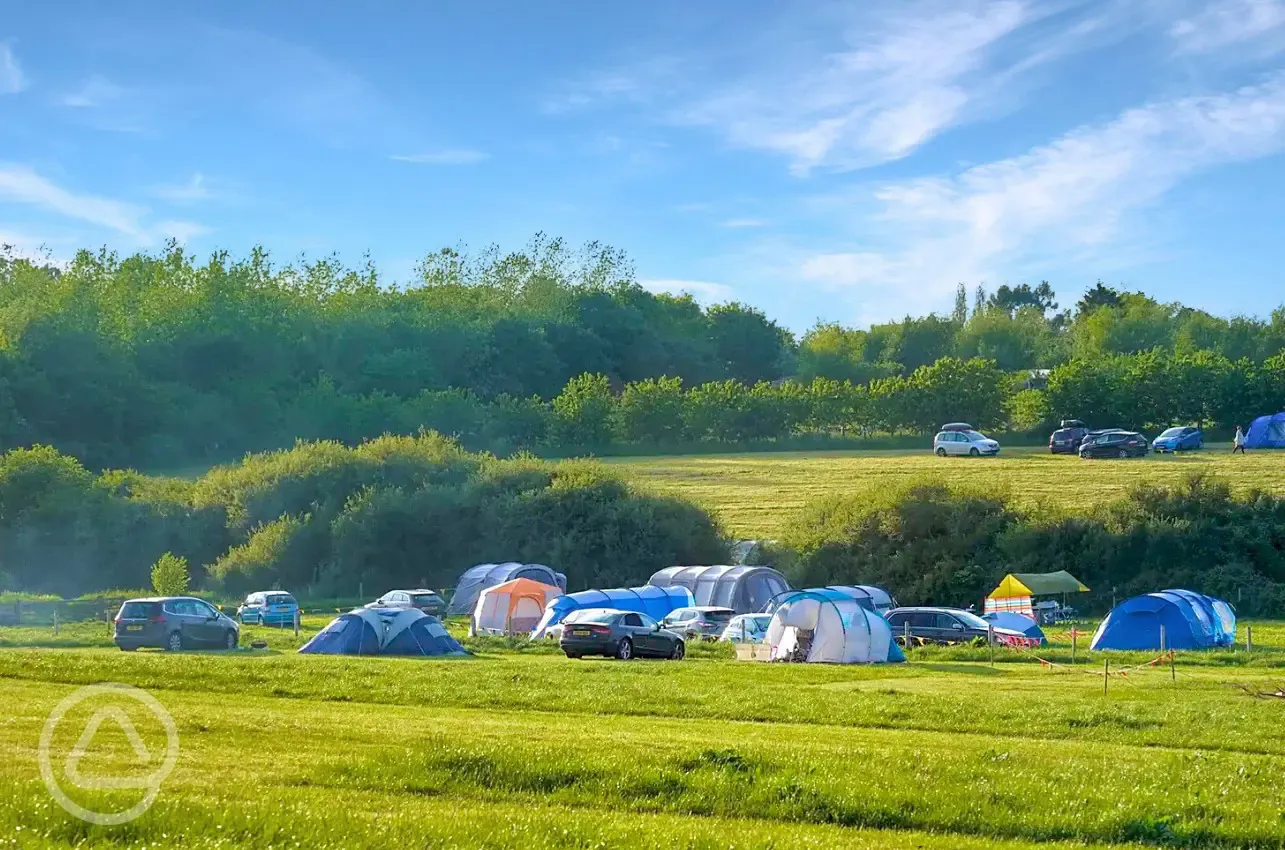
<point x="1181" y="439"/>
<point x="269" y="608"/>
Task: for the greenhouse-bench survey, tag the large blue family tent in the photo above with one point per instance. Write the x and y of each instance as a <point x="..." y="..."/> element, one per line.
<point x="384" y="631"/>
<point x="1190" y="620"/>
<point x="479" y="578"/>
<point x="1266" y="432"/>
<point x="827" y="625"/>
<point x="1016" y="622"/>
<point x="651" y="600"/>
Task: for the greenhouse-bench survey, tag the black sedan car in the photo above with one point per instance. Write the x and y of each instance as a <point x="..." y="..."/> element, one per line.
<point x="620" y="634"/>
<point x="1068" y="437"/>
<point x="1120" y="444"/>
<point x="942" y="625"/>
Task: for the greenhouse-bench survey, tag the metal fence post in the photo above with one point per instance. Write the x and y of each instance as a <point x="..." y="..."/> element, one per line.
<point x="55" y="621"/>
<point x="1162" y="639"/>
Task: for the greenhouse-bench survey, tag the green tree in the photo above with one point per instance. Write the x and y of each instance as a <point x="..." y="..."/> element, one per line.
<point x="651" y="411"/>
<point x="583" y="411"/>
<point x="170" y="576"/>
<point x="749" y="346"/>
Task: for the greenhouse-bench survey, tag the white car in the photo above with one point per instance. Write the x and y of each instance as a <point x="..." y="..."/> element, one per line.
<point x="964" y="443"/>
<point x="747" y="628"/>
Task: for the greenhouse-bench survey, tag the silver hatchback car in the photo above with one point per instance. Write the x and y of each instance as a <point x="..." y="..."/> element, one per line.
<point x="972" y="443"/>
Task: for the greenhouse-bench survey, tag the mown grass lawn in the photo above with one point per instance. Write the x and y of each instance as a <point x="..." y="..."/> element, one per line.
<point x="530" y="750"/>
<point x="753" y="494"/>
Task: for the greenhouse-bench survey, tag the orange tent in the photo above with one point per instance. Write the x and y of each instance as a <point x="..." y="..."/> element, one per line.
<point x="511" y="608"/>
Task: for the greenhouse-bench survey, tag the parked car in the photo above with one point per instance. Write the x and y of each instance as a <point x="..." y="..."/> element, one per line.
<point x="1068" y="437"/>
<point x="970" y="442"/>
<point x="747" y="628"/>
<point x="425" y="600"/>
<point x="1181" y="439"/>
<point x="1114" y="444"/>
<point x="173" y="623"/>
<point x="943" y="625"/>
<point x="268" y="608"/>
<point x="622" y="634"/>
<point x="706" y="622"/>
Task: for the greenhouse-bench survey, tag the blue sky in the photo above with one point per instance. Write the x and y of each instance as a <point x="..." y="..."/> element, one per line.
<point x="838" y="161"/>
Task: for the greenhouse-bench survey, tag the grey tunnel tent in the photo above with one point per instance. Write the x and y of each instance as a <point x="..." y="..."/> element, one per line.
<point x="744" y="589"/>
<point x="479" y="578"/>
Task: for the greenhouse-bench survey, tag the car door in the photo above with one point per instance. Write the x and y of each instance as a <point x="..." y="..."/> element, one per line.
<point x="631" y="625"/>
<point x="207" y="624"/>
<point x="656" y="642"/>
<point x="950" y="628"/>
<point x="923" y="624"/>
<point x="959" y="444"/>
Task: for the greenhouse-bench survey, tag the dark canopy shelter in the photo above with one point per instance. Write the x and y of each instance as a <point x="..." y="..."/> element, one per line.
<point x="744" y="589"/>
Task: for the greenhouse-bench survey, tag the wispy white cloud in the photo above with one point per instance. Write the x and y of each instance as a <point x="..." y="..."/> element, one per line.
<point x="196" y="189"/>
<point x="702" y="290"/>
<point x="22" y="185"/>
<point x="1223" y="24"/>
<point x="1072" y="198"/>
<point x="738" y="223"/>
<point x="446" y="156"/>
<point x="643" y="81"/>
<point x="12" y="80"/>
<point x="96" y="92"/>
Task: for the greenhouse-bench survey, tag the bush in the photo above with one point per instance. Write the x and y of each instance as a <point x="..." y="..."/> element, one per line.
<point x="169" y="575"/>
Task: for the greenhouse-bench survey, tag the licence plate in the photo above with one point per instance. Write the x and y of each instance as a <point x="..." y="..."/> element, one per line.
<point x="133" y="628"/>
<point x="581" y="632"/>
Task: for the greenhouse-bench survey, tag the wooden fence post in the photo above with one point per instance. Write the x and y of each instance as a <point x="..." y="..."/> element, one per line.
<point x="1075" y="639"/>
<point x="1162" y="638"/>
<point x="1106" y="675"/>
<point x="1249" y="638"/>
<point x="990" y="642"/>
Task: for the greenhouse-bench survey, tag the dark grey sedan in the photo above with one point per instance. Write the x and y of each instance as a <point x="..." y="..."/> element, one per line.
<point x="620" y="634"/>
<point x="174" y="623"/>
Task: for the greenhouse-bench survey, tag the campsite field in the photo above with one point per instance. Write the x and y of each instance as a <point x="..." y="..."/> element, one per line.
<point x="509" y="750"/>
<point x="753" y="494"/>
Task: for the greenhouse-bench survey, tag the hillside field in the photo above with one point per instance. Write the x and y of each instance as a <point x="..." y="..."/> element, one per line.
<point x="509" y="750"/>
<point x="753" y="494"/>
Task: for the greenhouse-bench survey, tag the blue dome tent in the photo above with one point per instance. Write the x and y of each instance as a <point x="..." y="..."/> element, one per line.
<point x="1191" y="621"/>
<point x="1016" y="622"/>
<point x="1266" y="432"/>
<point x="653" y="601"/>
<point x="826" y="625"/>
<point x="358" y="632"/>
<point x="384" y="631"/>
<point x="479" y="578"/>
<point x="744" y="589"/>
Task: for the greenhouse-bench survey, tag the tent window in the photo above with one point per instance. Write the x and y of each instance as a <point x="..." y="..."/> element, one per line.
<point x="723" y="593"/>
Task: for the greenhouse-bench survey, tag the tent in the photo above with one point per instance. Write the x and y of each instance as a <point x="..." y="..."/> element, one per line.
<point x="479" y="578"/>
<point x="744" y="589"/>
<point x="384" y="631"/>
<point x="1015" y="594"/>
<point x="1190" y="620"/>
<point x="653" y="601"/>
<point x="1016" y="622"/>
<point x="866" y="595"/>
<point x="827" y="626"/>
<point x="1266" y="432"/>
<point x="511" y="608"/>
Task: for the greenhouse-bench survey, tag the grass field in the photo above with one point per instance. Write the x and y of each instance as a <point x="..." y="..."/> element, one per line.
<point x="530" y="750"/>
<point x="753" y="494"/>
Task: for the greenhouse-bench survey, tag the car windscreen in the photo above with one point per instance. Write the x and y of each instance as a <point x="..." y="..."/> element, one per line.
<point x="974" y="436"/>
<point x="139" y="610"/>
<point x="718" y="616"/>
<point x="278" y="599"/>
<point x="1172" y="432"/>
<point x="972" y="620"/>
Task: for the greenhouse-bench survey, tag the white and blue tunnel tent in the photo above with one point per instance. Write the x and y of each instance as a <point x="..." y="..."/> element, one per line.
<point x="479" y="578"/>
<point x="653" y="601"/>
<point x="384" y="631"/>
<point x="824" y="625"/>
<point x="866" y="595"/>
<point x="1190" y="620"/>
<point x="744" y="589"/>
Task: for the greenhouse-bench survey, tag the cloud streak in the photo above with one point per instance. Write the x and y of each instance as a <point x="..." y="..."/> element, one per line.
<point x="1227" y="23"/>
<point x="447" y="156"/>
<point x="702" y="290"/>
<point x="1072" y="197"/>
<point x="12" y="80"/>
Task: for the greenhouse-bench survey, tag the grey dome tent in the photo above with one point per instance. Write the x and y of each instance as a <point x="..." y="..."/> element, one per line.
<point x="744" y="589"/>
<point x="479" y="578"/>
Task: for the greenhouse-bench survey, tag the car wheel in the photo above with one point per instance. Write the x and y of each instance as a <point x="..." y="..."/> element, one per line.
<point x="174" y="642"/>
<point x="625" y="652"/>
<point x="128" y="648"/>
<point x="573" y="655"/>
<point x="230" y="639"/>
<point x="680" y="651"/>
<point x="973" y="453"/>
<point x="1124" y="453"/>
<point x="941" y="453"/>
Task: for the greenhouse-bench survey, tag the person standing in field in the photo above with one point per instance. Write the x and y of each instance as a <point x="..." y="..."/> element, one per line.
<point x="1238" y="441"/>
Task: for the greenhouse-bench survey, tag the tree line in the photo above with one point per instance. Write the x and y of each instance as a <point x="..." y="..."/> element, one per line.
<point x="161" y="361"/>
